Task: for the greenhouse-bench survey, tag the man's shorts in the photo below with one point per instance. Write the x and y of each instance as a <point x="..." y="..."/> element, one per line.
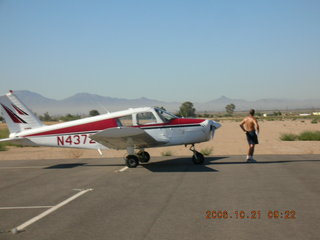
<point x="252" y="137"/>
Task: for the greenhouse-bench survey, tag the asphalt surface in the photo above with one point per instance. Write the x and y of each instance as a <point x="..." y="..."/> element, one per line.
<point x="169" y="198"/>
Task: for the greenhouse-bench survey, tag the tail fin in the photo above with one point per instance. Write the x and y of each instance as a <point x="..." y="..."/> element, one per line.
<point x="17" y="116"/>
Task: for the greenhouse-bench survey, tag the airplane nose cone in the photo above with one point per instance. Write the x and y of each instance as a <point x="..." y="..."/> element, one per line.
<point x="214" y="124"/>
<point x="211" y="126"/>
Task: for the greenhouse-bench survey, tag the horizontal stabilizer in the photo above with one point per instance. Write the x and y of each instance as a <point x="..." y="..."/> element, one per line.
<point x="20" y="141"/>
<point x="123" y="137"/>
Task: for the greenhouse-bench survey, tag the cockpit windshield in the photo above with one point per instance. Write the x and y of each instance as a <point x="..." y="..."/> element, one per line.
<point x="165" y="116"/>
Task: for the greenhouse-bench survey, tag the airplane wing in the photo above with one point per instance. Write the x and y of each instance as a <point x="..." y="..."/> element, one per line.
<point x="123" y="137"/>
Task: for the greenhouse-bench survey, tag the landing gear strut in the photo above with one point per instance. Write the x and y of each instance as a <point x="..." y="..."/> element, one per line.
<point x="132" y="160"/>
<point x="197" y="157"/>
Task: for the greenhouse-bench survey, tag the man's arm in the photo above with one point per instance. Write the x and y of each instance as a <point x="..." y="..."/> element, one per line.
<point x="256" y="125"/>
<point x="242" y="125"/>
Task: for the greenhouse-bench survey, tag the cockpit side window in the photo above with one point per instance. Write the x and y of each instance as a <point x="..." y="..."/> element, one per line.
<point x="144" y="118"/>
<point x="125" y="121"/>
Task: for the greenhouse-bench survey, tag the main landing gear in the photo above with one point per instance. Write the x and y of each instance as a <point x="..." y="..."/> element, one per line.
<point x="133" y="160"/>
<point x="197" y="157"/>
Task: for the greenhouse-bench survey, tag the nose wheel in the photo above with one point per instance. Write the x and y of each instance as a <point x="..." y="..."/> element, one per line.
<point x="197" y="157"/>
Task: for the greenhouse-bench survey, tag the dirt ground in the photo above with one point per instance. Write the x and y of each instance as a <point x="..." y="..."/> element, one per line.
<point x="228" y="140"/>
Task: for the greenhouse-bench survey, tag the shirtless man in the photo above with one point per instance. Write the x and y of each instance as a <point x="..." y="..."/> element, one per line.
<point x="251" y="127"/>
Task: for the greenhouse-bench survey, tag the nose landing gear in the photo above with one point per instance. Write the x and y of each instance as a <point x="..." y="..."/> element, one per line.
<point x="197" y="157"/>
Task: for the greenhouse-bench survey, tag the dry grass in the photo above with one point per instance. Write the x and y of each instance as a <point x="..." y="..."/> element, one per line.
<point x="228" y="140"/>
<point x="75" y="153"/>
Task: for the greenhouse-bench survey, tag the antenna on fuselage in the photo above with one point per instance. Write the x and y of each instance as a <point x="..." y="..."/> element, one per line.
<point x="99" y="103"/>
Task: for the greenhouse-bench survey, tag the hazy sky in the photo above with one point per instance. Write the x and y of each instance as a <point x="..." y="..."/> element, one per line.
<point x="168" y="50"/>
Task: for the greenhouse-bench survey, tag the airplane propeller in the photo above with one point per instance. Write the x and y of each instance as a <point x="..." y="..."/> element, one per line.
<point x="211" y="126"/>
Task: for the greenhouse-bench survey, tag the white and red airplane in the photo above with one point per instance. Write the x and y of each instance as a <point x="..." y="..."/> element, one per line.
<point x="134" y="130"/>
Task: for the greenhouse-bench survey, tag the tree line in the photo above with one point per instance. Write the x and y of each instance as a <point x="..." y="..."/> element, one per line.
<point x="46" y="117"/>
<point x="186" y="109"/>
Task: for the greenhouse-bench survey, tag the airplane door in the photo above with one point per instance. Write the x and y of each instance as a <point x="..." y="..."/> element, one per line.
<point x="148" y="120"/>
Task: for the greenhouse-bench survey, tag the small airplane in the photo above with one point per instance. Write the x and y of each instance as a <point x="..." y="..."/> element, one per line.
<point x="134" y="130"/>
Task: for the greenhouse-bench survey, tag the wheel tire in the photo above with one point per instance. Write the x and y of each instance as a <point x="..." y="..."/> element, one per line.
<point x="132" y="161"/>
<point x="144" y="157"/>
<point x="197" y="158"/>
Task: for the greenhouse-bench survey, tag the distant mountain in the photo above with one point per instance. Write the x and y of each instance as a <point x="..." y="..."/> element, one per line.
<point x="82" y="103"/>
<point x="262" y="104"/>
<point x="33" y="98"/>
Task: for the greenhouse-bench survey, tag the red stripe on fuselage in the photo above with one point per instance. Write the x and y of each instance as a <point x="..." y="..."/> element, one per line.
<point x="175" y="122"/>
<point x="111" y="123"/>
<point x="86" y="127"/>
<point x="185" y="121"/>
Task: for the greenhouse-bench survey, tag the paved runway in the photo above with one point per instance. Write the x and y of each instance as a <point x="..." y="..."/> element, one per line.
<point x="169" y="198"/>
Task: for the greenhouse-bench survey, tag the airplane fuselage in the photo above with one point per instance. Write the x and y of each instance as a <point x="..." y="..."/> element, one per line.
<point x="132" y="129"/>
<point x="76" y="134"/>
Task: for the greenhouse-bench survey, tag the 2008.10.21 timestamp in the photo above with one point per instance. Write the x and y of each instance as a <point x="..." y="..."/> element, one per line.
<point x="253" y="214"/>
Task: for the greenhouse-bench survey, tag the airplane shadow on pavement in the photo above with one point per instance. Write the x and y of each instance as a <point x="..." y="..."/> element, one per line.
<point x="180" y="165"/>
<point x="74" y="165"/>
<point x="65" y="165"/>
<point x="169" y="165"/>
<point x="263" y="162"/>
<point x="184" y="164"/>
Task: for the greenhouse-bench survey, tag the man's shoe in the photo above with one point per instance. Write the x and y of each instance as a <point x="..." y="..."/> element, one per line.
<point x="251" y="160"/>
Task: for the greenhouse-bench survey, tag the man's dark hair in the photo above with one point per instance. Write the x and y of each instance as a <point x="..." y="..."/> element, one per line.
<point x="252" y="112"/>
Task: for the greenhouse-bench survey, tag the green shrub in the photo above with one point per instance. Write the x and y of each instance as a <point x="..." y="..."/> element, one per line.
<point x="4" y="133"/>
<point x="166" y="153"/>
<point x="288" y="137"/>
<point x="206" y="151"/>
<point x="314" y="121"/>
<point x="270" y="119"/>
<point x="304" y="136"/>
<point x="309" y="136"/>
<point x="2" y="147"/>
